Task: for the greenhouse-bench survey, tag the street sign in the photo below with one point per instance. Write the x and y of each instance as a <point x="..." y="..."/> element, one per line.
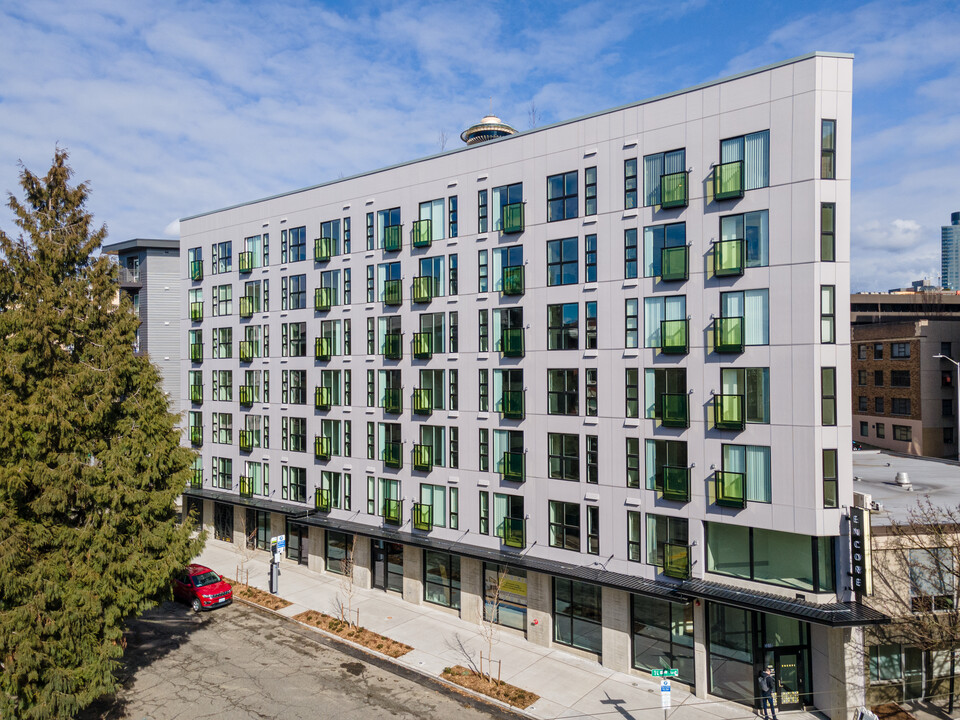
<point x="667" y="673"/>
<point x="665" y="694"/>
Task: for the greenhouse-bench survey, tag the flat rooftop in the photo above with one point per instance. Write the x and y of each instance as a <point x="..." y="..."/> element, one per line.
<point x="937" y="479"/>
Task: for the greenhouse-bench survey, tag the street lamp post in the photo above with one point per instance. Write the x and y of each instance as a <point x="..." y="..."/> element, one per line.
<point x="956" y="382"/>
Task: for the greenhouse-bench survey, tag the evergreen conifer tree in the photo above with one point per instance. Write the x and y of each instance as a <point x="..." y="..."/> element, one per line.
<point x="90" y="459"/>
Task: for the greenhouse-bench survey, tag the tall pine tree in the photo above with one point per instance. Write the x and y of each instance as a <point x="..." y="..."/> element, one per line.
<point x="90" y="460"/>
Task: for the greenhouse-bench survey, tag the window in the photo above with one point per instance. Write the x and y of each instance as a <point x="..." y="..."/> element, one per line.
<point x="632" y="392"/>
<point x="435" y="497"/>
<point x="454" y="390"/>
<point x="881" y="431"/>
<point x="946" y="408"/>
<point x="862" y="352"/>
<point x="630" y="253"/>
<point x="483" y="327"/>
<point x="593" y="530"/>
<point x="591" y="391"/>
<point x="660" y="382"/>
<point x="878" y="378"/>
<point x="433" y="325"/>
<point x="633" y="467"/>
<point x="655" y="167"/>
<point x="946" y="378"/>
<point x="503" y="196"/>
<point x="945" y="349"/>
<point x="861" y="377"/>
<point x="222" y="385"/>
<point x="593" y="462"/>
<point x="371" y="242"/>
<point x="293" y="388"/>
<point x="754" y="307"/>
<point x="388" y="219"/>
<point x="899" y="406"/>
<point x="828" y="149"/>
<point x="903" y="433"/>
<point x="293" y="291"/>
<point x="828" y="396"/>
<point x="655" y="239"/>
<point x="482" y="271"/>
<point x="432" y="211"/>
<point x="901" y="378"/>
<point x="590" y="337"/>
<point x="452" y="217"/>
<point x="454" y="463"/>
<point x="828" y="233"/>
<point x="562" y="265"/>
<point x="753" y="151"/>
<point x="222" y="300"/>
<point x="331" y="230"/>
<point x="294" y="434"/>
<point x="932" y="574"/>
<point x="346" y="236"/>
<point x="900" y="350"/>
<point x="562" y="388"/>
<point x="563" y="323"/>
<point x="222" y="476"/>
<point x="948" y="435"/>
<point x="503" y="258"/>
<point x="662" y="454"/>
<point x="827" y="314"/>
<point x="662" y="632"/>
<point x="222" y="260"/>
<point x="482" y="212"/>
<point x="631" y="312"/>
<point x="753" y="384"/>
<point x="565" y="525"/>
<point x="223" y="428"/>
<point x="293" y="483"/>
<point x="878" y="351"/>
<point x="862" y="403"/>
<point x="661" y="530"/>
<point x="590" y="259"/>
<point x="222" y="343"/>
<point x="441" y="579"/>
<point x="864" y="428"/>
<point x="293" y="339"/>
<point x="577" y="614"/>
<point x="484" y="390"/>
<point x="452" y="281"/>
<point x="830" y="496"/>
<point x="753" y="231"/>
<point x="629" y="183"/>
<point x="563" y="458"/>
<point x="371" y="283"/>
<point x="590" y="191"/>
<point x="432" y="267"/>
<point x="656" y="310"/>
<point x="484" y="450"/>
<point x="293" y="244"/>
<point x="885" y="662"/>
<point x="388" y="276"/>
<point x="505" y="595"/>
<point x="484" y="512"/>
<point x="562" y="196"/>
<point x="752" y="462"/>
<point x="338" y="549"/>
<point x="506" y="508"/>
<point x="432" y="380"/>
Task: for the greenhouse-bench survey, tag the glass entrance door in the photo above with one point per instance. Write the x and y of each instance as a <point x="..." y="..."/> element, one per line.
<point x="387" y="565"/>
<point x="912" y="674"/>
<point x="297" y="543"/>
<point x="379" y="564"/>
<point x="791" y="685"/>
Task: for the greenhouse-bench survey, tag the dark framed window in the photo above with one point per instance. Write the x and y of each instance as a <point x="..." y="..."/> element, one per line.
<point x="337" y="551"/>
<point x="946" y="408"/>
<point x="662" y="635"/>
<point x="901" y="378"/>
<point x="878" y="405"/>
<point x="881" y="431"/>
<point x="484" y="450"/>
<point x="632" y="392"/>
<point x="452" y="216"/>
<point x="590" y="258"/>
<point x="564" y="525"/>
<point x="562" y="262"/>
<point x="562" y="392"/>
<point x="900" y="351"/>
<point x="590" y="335"/>
<point x="482" y="211"/>
<point x="590" y="191"/>
<point x="862" y="403"/>
<point x="903" y="433"/>
<point x="371" y="243"/>
<point x="441" y="579"/>
<point x="946" y="378"/>
<point x="562" y="202"/>
<point x="828" y="149"/>
<point x="864" y="431"/>
<point x="830" y="497"/>
<point x="483" y="327"/>
<point x="293" y="244"/>
<point x="828" y="233"/>
<point x="878" y="351"/>
<point x="484" y="390"/>
<point x="878" y="378"/>
<point x="633" y="476"/>
<point x="862" y="352"/>
<point x="631" y="323"/>
<point x="593" y="530"/>
<point x="861" y="377"/>
<point x="483" y="271"/>
<point x="899" y="406"/>
<point x="828" y="330"/>
<point x="563" y="326"/>
<point x="828" y="396"/>
<point x="590" y="382"/>
<point x="629" y="183"/>
<point x="563" y="456"/>
<point x="593" y="459"/>
<point x="630" y="253"/>
<point x="662" y="529"/>
<point x="577" y="614"/>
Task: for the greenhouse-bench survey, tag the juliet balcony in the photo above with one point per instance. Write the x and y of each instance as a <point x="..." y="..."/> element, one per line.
<point x="728" y="180"/>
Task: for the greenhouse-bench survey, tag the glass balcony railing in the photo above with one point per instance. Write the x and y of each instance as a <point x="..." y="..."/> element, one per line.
<point x="196" y="479"/>
<point x="673" y="190"/>
<point x="322" y="397"/>
<point x="674" y="337"/>
<point x="513" y="218"/>
<point x="246" y="440"/>
<point x="392" y="238"/>
<point x="246" y="486"/>
<point x="728" y="258"/>
<point x="245" y="260"/>
<point x="323" y="249"/>
<point x="423" y="457"/>
<point x="676" y="483"/>
<point x="514" y="532"/>
<point x="423" y="286"/>
<point x="728" y="334"/>
<point x="393" y="400"/>
<point x="393" y="292"/>
<point x="675" y="410"/>
<point x="323" y="348"/>
<point x="393" y="512"/>
<point x="322" y="500"/>
<point x="393" y="346"/>
<point x="513" y="404"/>
<point x="422" y="401"/>
<point x="728" y="412"/>
<point x="513" y="280"/>
<point x="512" y="342"/>
<point x="514" y="466"/>
<point x="423" y="345"/>
<point x="196" y="352"/>
<point x="246" y="306"/>
<point x="674" y="263"/>
<point x="676" y="561"/>
<point x="728" y="180"/>
<point x="730" y="489"/>
<point x="196" y="311"/>
<point x="196" y="435"/>
<point x="422" y="517"/>
<point x="322" y="299"/>
<point x="392" y="455"/>
<point x="246" y="350"/>
<point x="322" y="447"/>
<point x="422" y="233"/>
<point x="196" y="270"/>
<point x="246" y="395"/>
<point x="196" y="394"/>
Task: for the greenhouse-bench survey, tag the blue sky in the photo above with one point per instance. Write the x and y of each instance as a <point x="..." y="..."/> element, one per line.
<point x="171" y="108"/>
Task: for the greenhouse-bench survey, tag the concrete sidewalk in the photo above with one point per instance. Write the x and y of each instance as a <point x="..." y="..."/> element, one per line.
<point x="569" y="686"/>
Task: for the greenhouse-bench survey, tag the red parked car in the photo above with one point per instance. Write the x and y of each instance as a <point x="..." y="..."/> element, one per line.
<point x="202" y="588"/>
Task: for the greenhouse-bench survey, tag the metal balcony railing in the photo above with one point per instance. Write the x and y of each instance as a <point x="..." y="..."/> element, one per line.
<point x="730" y="489"/>
<point x="728" y="412"/>
<point x="673" y="190"/>
<point x="728" y="180"/>
<point x="675" y="410"/>
<point x="513" y="218"/>
<point x="422" y="233"/>
<point x="728" y="334"/>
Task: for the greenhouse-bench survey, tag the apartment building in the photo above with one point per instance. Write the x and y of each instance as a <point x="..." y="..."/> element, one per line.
<point x="599" y="358"/>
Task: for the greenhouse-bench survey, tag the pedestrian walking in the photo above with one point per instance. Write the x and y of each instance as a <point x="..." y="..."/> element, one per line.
<point x="768" y="684"/>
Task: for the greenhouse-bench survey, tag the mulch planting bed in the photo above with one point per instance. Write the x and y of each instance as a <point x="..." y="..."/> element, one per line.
<point x="359" y="635"/>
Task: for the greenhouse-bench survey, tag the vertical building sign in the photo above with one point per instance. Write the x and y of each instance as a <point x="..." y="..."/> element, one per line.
<point x="861" y="571"/>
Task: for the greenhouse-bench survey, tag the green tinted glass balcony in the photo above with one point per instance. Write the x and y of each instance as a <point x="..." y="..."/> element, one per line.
<point x="322" y="500"/>
<point x="512" y="342"/>
<point x="423" y="345"/>
<point x="730" y="489"/>
<point x="673" y="337"/>
<point x="322" y="299"/>
<point x="728" y="180"/>
<point x="514" y="532"/>
<point x="422" y="517"/>
<point x="393" y="292"/>
<point x="393" y="346"/>
<point x="673" y="190"/>
<point x="393" y="400"/>
<point x="196" y="270"/>
<point x="513" y="218"/>
<point x="322" y="397"/>
<point x="423" y="287"/>
<point x="676" y="561"/>
<point x="323" y="348"/>
<point x="246" y="350"/>
<point x="674" y="265"/>
<point x="392" y="455"/>
<point x="196" y="394"/>
<point x="196" y="479"/>
<point x="246" y="306"/>
<point x="392" y="238"/>
<point x="728" y="258"/>
<point x="514" y="466"/>
<point x="728" y="334"/>
<point x="323" y="249"/>
<point x="196" y="352"/>
<point x="676" y="483"/>
<point x="513" y="404"/>
<point x="423" y="457"/>
<point x="422" y="401"/>
<point x="196" y="435"/>
<point x="393" y="512"/>
<point x="196" y="311"/>
<point x="246" y="395"/>
<point x="246" y="262"/>
<point x="513" y="280"/>
<point x="246" y="486"/>
<point x="675" y="410"/>
<point x="728" y="412"/>
<point x="422" y="233"/>
<point x="322" y="447"/>
<point x="246" y="440"/>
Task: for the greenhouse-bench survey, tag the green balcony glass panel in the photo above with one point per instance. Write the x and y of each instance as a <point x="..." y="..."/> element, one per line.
<point x="513" y="404"/>
<point x="246" y="486"/>
<point x="422" y="233"/>
<point x="728" y="334"/>
<point x="674" y="263"/>
<point x="676" y="561"/>
<point x="196" y="311"/>
<point x="196" y="352"/>
<point x="393" y="455"/>
<point x="196" y="394"/>
<point x="322" y="397"/>
<point x="513" y="218"/>
<point x="196" y="479"/>
<point x="423" y="345"/>
<point x="423" y="401"/>
<point x="246" y="350"/>
<point x="423" y="286"/>
<point x="393" y="512"/>
<point x="323" y="249"/>
<point x="675" y="410"/>
<point x="246" y="395"/>
<point x="514" y="532"/>
<point x="246" y="306"/>
<point x="245" y="262"/>
<point x="514" y="466"/>
<point x="322" y="299"/>
<point x="513" y="280"/>
<point x="512" y="342"/>
<point x="393" y="292"/>
<point x="322" y="500"/>
<point x="323" y="348"/>
<point x="674" y="337"/>
<point x="393" y="346"/>
<point x="422" y="517"/>
<point x="196" y="270"/>
<point x="676" y="483"/>
<point x="728" y="180"/>
<point x="728" y="259"/>
<point x="393" y="400"/>
<point x="423" y="457"/>
<point x="246" y="440"/>
<point x="728" y="412"/>
<point x="322" y="447"/>
<point x="730" y="489"/>
<point x="392" y="238"/>
<point x="673" y="190"/>
<point x="196" y="434"/>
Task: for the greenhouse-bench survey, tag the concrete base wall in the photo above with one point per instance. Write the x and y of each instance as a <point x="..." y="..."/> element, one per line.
<point x="616" y="629"/>
<point x="240" y="529"/>
<point x="700" y="657"/>
<point x="362" y="567"/>
<point x="539" y="609"/>
<point x="471" y="590"/>
<point x="207" y="518"/>
<point x="413" y="574"/>
<point x="315" y="559"/>
<point x="836" y="659"/>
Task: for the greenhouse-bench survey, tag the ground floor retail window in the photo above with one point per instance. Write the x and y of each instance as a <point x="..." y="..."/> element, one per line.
<point x="901" y="673"/>
<point x="577" y="614"/>
<point x="256" y="529"/>
<point x="663" y="636"/>
<point x="505" y="595"/>
<point x="223" y="522"/>
<point x="338" y="552"/>
<point x="441" y="579"/>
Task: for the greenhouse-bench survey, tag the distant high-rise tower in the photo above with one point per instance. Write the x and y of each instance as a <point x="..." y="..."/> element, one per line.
<point x="950" y="253"/>
<point x="490" y="128"/>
